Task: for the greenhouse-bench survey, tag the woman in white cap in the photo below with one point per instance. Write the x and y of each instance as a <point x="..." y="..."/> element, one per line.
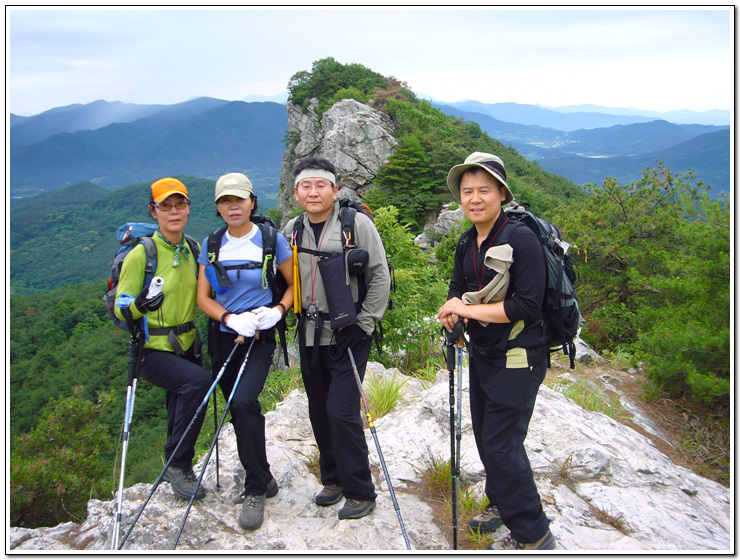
<point x="233" y="291"/>
<point x="508" y="350"/>
<point x="172" y="358"/>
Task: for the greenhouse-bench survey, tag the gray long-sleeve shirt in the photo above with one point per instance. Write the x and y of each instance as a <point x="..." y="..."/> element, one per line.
<point x="377" y="277"/>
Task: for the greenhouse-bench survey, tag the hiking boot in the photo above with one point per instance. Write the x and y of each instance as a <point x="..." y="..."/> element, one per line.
<point x="183" y="482"/>
<point x="486" y="521"/>
<point x="253" y="512"/>
<point x="272" y="490"/>
<point x="329" y="495"/>
<point x="509" y="543"/>
<point x="354" y="509"/>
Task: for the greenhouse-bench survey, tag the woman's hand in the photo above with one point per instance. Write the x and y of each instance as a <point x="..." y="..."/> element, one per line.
<point x="246" y="324"/>
<point x="268" y="317"/>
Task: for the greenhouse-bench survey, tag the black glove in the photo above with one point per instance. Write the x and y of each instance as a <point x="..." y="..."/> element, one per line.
<point x="348" y="337"/>
<point x="145" y="305"/>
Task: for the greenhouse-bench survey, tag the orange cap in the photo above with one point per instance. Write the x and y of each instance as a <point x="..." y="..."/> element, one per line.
<point x="165" y="187"/>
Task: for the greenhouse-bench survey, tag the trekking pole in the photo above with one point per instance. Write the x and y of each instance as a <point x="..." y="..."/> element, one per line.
<point x="215" y="440"/>
<point x="455" y="433"/>
<point x="377" y="445"/>
<point x="204" y="404"/>
<point x="215" y="425"/>
<point x="136" y="351"/>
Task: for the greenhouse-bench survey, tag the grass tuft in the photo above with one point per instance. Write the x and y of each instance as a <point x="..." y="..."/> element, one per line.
<point x="383" y="394"/>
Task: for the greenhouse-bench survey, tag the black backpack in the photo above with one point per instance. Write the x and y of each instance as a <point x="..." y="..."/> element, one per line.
<point x="129" y="235"/>
<point x="560" y="309"/>
<point x="347" y="211"/>
<point x="274" y="277"/>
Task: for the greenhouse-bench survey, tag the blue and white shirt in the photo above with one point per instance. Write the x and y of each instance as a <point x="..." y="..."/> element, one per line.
<point x="246" y="291"/>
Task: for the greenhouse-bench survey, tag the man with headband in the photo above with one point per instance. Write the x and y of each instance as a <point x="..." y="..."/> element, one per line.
<point x="326" y="330"/>
<point x="508" y="348"/>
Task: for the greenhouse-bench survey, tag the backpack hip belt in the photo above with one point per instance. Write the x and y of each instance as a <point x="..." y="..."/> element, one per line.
<point x="172" y="332"/>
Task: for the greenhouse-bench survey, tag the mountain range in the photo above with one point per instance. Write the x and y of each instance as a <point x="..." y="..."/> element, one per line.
<point x="114" y="144"/>
<point x="623" y="149"/>
<point x="204" y="137"/>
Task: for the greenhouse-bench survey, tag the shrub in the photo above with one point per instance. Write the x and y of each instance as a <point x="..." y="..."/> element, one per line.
<point x="56" y="467"/>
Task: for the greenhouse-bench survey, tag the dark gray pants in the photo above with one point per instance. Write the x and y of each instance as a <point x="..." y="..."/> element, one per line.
<point x="334" y="410"/>
<point x="246" y="412"/>
<point x="187" y="384"/>
<point x="501" y="405"/>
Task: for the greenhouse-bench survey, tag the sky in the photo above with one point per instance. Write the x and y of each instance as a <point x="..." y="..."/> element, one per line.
<point x="649" y="59"/>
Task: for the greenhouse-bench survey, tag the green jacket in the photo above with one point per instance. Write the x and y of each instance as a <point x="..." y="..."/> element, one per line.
<point x="180" y="287"/>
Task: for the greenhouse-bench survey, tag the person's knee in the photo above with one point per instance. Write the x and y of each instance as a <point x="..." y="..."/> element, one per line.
<point x="345" y="412"/>
<point x="248" y="407"/>
<point x="199" y="384"/>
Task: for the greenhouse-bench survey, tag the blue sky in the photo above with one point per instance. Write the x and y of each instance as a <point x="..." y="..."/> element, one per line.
<point x="650" y="59"/>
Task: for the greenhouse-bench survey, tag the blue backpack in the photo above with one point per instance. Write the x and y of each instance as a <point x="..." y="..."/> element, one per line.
<point x="129" y="235"/>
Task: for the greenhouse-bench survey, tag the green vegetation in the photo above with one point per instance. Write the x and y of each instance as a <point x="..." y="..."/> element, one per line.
<point x="429" y="143"/>
<point x="383" y="394"/>
<point x="654" y="263"/>
<point x="418" y="296"/>
<point x="330" y="81"/>
<point x="57" y="466"/>
<point x="592" y="399"/>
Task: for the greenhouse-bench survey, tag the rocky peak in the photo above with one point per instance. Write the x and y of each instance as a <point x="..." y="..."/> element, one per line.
<point x="356" y="138"/>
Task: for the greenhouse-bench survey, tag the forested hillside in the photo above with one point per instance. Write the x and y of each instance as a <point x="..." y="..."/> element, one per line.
<point x="69" y="236"/>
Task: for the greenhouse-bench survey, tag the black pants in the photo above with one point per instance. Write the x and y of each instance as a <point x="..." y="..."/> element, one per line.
<point x="501" y="405"/>
<point x="246" y="412"/>
<point x="334" y="410"/>
<point x="187" y="384"/>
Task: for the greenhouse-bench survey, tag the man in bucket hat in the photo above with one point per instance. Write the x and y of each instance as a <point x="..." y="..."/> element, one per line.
<point x="508" y="350"/>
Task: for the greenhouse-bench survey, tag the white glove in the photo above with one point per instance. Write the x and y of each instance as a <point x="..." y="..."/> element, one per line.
<point x="246" y="324"/>
<point x="268" y="317"/>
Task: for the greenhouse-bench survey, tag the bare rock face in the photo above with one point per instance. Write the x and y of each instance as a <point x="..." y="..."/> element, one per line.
<point x="440" y="227"/>
<point x="356" y="138"/>
<point x="603" y="486"/>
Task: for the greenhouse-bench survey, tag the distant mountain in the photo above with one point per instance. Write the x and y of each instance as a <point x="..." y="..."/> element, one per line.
<point x="621" y="151"/>
<point x="708" y="156"/>
<point x="203" y="138"/>
<point x="623" y="140"/>
<point x="535" y="115"/>
<point x="639" y="138"/>
<point x="98" y="114"/>
<point x="72" y="118"/>
<point x="713" y="117"/>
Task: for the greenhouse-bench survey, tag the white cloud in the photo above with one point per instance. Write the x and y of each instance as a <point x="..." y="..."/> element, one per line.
<point x="652" y="59"/>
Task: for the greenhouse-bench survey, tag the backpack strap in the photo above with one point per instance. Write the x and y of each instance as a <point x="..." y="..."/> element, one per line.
<point x="193" y="244"/>
<point x="347" y="218"/>
<point x="269" y="232"/>
<point x="150" y="248"/>
<point x="213" y="245"/>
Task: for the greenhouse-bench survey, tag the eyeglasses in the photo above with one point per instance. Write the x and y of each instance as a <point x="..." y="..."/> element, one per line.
<point x="309" y="188"/>
<point x="166" y="206"/>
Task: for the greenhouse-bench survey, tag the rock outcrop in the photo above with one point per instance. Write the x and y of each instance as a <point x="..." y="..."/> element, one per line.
<point x="603" y="485"/>
<point x="449" y="216"/>
<point x="356" y="138"/>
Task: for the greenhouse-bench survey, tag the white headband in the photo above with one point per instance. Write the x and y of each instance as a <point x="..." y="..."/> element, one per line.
<point x="316" y="173"/>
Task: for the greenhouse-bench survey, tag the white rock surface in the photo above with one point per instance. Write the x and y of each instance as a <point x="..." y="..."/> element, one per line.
<point x="356" y="138"/>
<point x="583" y="462"/>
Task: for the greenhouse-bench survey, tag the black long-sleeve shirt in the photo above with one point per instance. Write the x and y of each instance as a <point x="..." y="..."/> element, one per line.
<point x="526" y="292"/>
